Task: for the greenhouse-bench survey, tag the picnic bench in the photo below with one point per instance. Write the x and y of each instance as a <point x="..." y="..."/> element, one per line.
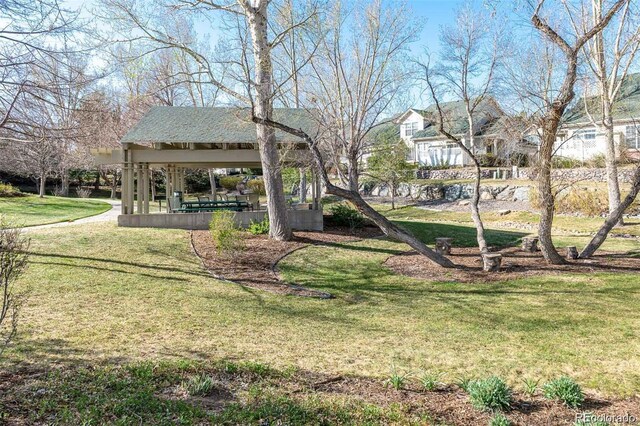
<point x="210" y="206"/>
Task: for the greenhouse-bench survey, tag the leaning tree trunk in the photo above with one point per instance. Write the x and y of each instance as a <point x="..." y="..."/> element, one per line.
<point x="613" y="218"/>
<point x="547" y="199"/>
<point x="390" y="229"/>
<point x="279" y="228"/>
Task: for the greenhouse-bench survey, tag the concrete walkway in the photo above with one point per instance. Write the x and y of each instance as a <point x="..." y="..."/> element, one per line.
<point x="108" y="216"/>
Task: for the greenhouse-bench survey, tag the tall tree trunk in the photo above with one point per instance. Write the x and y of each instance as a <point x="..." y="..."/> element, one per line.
<point x="96" y="184"/>
<point x="114" y="185"/>
<point x="393" y="197"/>
<point x="475" y="200"/>
<point x="599" y="55"/>
<point x="65" y="182"/>
<point x="547" y="199"/>
<point x="613" y="218"/>
<point x="279" y="228"/>
<point x="43" y="184"/>
<point x="613" y="184"/>
<point x="303" y="185"/>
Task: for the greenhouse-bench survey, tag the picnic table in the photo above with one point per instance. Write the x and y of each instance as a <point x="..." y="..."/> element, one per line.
<point x="209" y="206"/>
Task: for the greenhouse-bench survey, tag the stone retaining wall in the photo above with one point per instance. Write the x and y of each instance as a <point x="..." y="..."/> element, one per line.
<point x="429" y="192"/>
<point x="528" y="173"/>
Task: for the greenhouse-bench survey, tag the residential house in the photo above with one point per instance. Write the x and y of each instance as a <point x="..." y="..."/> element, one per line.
<point x="579" y="138"/>
<point x="419" y="129"/>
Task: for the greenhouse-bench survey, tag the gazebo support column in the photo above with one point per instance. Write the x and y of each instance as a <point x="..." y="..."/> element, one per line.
<point x="127" y="183"/>
<point x="139" y="190"/>
<point x="123" y="189"/>
<point x="145" y="188"/>
<point x="168" y="188"/>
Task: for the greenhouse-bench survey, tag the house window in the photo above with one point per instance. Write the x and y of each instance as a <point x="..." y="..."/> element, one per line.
<point x="632" y="137"/>
<point x="410" y="128"/>
<point x="585" y="135"/>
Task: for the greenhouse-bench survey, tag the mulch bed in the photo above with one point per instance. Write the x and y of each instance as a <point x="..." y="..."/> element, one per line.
<point x="516" y="263"/>
<point x="255" y="266"/>
<point x="450" y="405"/>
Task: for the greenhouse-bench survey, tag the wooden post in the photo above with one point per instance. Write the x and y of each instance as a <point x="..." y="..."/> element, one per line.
<point x="131" y="189"/>
<point x="314" y="189"/>
<point x="123" y="186"/>
<point x="530" y="244"/>
<point x="168" y="187"/>
<point x="139" y="186"/>
<point x="145" y="188"/>
<point x="491" y="262"/>
<point x="443" y="245"/>
<point x="572" y="252"/>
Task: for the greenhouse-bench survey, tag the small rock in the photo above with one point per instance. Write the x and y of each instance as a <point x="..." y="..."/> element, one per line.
<point x="503" y="212"/>
<point x="464" y="203"/>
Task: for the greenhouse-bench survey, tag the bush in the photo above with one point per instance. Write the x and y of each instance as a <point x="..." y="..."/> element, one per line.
<point x="490" y="394"/>
<point x="397" y="380"/>
<point x="565" y="163"/>
<point x="8" y="190"/>
<point x="585" y="201"/>
<point x="83" y="192"/>
<point x="345" y="215"/>
<point x="499" y="420"/>
<point x="597" y="161"/>
<point x="198" y="385"/>
<point x="230" y="182"/>
<point x="430" y="381"/>
<point x="257" y="186"/>
<point x="259" y="228"/>
<point x="564" y="389"/>
<point x="488" y="160"/>
<point x="227" y="237"/>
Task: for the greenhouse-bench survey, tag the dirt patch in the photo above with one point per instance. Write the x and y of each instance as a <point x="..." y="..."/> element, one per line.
<point x="255" y="266"/>
<point x="516" y="263"/>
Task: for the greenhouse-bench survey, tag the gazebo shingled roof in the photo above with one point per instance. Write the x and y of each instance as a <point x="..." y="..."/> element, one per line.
<point x="170" y="124"/>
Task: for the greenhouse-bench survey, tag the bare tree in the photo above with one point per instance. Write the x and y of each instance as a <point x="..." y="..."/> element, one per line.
<point x="13" y="261"/>
<point x="552" y="113"/>
<point x="467" y="69"/>
<point x="357" y="73"/>
<point x="28" y="28"/>
<point x="610" y="54"/>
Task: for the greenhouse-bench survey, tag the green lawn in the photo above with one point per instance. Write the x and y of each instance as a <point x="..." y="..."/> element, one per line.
<point x="103" y="294"/>
<point x="31" y="210"/>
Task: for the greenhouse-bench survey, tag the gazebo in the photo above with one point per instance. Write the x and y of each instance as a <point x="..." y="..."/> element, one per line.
<point x="179" y="138"/>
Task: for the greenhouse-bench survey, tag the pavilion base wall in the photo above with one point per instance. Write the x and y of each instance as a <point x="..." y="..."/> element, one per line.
<point x="300" y="220"/>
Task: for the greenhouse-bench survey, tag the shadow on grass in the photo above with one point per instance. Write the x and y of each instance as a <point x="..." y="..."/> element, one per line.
<point x="463" y="236"/>
<point x="196" y="271"/>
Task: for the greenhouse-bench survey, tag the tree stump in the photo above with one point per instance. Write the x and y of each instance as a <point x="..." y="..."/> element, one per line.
<point x="572" y="252"/>
<point x="491" y="262"/>
<point x="443" y="245"/>
<point x="530" y="244"/>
